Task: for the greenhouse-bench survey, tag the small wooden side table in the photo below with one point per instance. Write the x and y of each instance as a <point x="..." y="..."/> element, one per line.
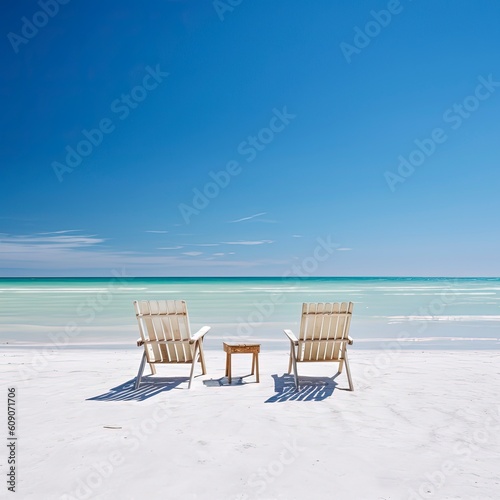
<point x="242" y="349"/>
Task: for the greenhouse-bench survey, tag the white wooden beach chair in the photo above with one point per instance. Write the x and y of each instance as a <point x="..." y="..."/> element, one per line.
<point x="324" y="336"/>
<point x="166" y="336"/>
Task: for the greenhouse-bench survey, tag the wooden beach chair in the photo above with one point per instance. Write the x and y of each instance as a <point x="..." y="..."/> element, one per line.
<point x="324" y="336"/>
<point x="166" y="336"/>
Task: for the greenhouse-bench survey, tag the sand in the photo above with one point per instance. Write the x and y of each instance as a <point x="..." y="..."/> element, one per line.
<point x="418" y="425"/>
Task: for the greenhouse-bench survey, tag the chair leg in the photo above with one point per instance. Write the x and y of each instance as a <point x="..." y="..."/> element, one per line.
<point x="348" y="370"/>
<point x="290" y="360"/>
<point x="341" y="365"/>
<point x="153" y="368"/>
<point x="294" y="362"/>
<point x="202" y="358"/>
<point x="192" y="365"/>
<point x="141" y="369"/>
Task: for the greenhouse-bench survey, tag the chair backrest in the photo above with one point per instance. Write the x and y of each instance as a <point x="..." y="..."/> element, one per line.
<point x="164" y="328"/>
<point x="321" y="328"/>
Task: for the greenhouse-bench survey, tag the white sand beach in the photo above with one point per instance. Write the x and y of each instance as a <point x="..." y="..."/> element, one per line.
<point x="418" y="425"/>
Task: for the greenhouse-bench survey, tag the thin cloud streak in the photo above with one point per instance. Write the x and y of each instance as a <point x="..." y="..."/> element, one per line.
<point x="61" y="232"/>
<point x="247" y="218"/>
<point x="201" y="244"/>
<point x="262" y="242"/>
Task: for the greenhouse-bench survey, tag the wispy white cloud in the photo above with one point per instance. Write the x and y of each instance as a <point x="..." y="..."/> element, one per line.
<point x="218" y="254"/>
<point x="88" y="255"/>
<point x="343" y="249"/>
<point x="45" y="242"/>
<point x="202" y="244"/>
<point x="171" y="248"/>
<point x="156" y="232"/>
<point x="61" y="232"/>
<point x="297" y="236"/>
<point x="261" y="242"/>
<point x="248" y="218"/>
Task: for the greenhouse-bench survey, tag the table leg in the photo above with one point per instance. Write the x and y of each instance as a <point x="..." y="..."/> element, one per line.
<point x="229" y="366"/>
<point x="257" y="366"/>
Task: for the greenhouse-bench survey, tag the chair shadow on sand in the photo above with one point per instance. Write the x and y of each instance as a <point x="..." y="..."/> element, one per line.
<point x="310" y="388"/>
<point x="150" y="386"/>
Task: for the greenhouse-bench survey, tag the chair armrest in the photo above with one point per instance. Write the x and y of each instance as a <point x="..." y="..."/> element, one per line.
<point x="292" y="337"/>
<point x="140" y="342"/>
<point x="199" y="334"/>
<point x="349" y="340"/>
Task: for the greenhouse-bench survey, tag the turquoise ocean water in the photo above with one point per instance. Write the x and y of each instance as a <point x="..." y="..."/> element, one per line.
<point x="413" y="313"/>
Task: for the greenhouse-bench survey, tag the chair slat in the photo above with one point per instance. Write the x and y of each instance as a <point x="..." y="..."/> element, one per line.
<point x="324" y="333"/>
<point x="152" y="332"/>
<point x="173" y="334"/>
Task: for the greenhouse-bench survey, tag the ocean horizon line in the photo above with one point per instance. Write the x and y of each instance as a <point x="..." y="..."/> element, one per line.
<point x="286" y="278"/>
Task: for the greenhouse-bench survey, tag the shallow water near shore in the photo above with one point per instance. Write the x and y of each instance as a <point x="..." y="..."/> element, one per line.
<point x="422" y="313"/>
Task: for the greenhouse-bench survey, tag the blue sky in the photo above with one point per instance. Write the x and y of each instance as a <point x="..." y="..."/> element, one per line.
<point x="369" y="126"/>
